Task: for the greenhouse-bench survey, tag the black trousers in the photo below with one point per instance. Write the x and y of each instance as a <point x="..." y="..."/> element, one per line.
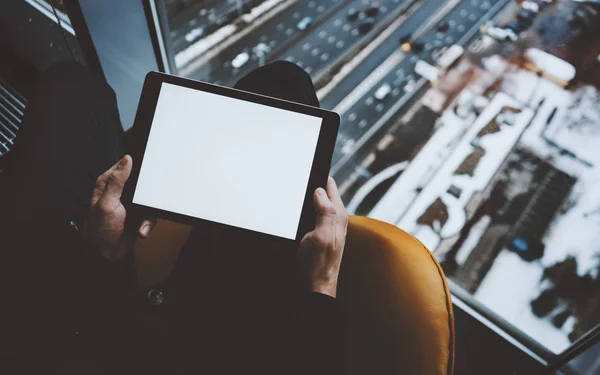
<point x="226" y="303"/>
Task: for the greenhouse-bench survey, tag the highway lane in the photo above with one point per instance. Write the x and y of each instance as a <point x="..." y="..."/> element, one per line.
<point x="358" y="119"/>
<point x="333" y="39"/>
<point x="275" y="33"/>
<point x="389" y="46"/>
<point x="206" y="16"/>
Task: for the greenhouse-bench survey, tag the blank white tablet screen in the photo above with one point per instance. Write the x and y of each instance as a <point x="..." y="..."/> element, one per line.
<point x="228" y="161"/>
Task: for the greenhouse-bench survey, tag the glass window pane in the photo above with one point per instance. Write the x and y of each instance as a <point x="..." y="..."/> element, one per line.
<point x="31" y="40"/>
<point x="587" y="362"/>
<point x="473" y="125"/>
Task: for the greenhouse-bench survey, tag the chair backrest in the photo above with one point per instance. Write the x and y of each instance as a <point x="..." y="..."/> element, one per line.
<point x="397" y="305"/>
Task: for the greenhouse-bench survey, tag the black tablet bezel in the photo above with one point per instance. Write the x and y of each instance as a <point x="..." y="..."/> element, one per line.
<point x="318" y="174"/>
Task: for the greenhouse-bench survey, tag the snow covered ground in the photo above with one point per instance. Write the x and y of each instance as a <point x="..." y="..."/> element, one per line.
<point x="496" y="147"/>
<point x="577" y="231"/>
<point x="511" y="284"/>
<point x="421" y="169"/>
<point x="508" y="289"/>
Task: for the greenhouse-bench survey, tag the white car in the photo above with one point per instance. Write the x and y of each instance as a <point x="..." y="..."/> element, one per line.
<point x="530" y="5"/>
<point x="501" y="34"/>
<point x="383" y="91"/>
<point x="194" y="34"/>
<point x="304" y="23"/>
<point x="240" y="60"/>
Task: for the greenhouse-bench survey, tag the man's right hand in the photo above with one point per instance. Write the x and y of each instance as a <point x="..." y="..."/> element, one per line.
<point x="105" y="225"/>
<point x="320" y="252"/>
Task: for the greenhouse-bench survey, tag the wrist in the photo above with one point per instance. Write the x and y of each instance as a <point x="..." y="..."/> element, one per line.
<point x="327" y="287"/>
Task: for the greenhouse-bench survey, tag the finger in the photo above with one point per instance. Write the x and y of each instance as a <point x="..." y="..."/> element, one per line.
<point x="324" y="208"/>
<point x="111" y="196"/>
<point x="146" y="227"/>
<point x="100" y="185"/>
<point x="333" y="194"/>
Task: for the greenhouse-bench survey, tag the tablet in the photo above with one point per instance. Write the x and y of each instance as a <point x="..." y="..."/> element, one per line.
<point x="234" y="159"/>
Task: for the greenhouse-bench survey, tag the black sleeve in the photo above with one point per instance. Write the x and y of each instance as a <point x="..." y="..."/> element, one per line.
<point x="317" y="340"/>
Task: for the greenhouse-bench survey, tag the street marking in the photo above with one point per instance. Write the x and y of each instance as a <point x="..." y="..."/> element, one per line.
<point x="405" y="98"/>
<point x="390" y="63"/>
<point x="368" y="83"/>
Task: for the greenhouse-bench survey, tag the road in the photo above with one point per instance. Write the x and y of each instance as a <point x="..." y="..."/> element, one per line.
<point x="278" y="31"/>
<point x="206" y="16"/>
<point x="391" y="45"/>
<point x="333" y="39"/>
<point x="359" y="119"/>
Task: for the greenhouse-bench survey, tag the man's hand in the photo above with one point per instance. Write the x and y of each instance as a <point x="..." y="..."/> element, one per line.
<point x="105" y="224"/>
<point x="320" y="252"/>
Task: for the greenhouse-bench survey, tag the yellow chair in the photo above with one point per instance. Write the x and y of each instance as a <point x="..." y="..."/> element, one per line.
<point x="397" y="305"/>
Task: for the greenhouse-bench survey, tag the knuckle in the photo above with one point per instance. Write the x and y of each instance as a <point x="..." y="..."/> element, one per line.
<point x="320" y="240"/>
<point x="103" y="207"/>
<point x="329" y="210"/>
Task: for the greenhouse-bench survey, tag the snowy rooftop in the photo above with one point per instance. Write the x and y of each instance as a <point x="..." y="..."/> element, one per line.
<point x="495" y="148"/>
<point x="559" y="126"/>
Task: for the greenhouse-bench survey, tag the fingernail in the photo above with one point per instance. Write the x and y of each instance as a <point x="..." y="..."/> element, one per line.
<point x="123" y="161"/>
<point x="145" y="230"/>
<point x="321" y="192"/>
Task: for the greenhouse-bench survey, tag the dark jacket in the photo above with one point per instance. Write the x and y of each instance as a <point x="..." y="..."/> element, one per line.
<point x="66" y="309"/>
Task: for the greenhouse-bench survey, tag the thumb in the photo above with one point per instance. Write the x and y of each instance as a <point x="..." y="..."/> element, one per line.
<point x="146" y="227"/>
<point x="111" y="196"/>
<point x="324" y="207"/>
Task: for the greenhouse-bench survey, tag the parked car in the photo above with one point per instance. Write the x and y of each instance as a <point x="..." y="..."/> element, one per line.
<point x="405" y="38"/>
<point x="526" y="15"/>
<point x="194" y="34"/>
<point x="517" y="26"/>
<point x="304" y="23"/>
<point x="383" y="91"/>
<point x="352" y="14"/>
<point x="366" y="25"/>
<point x="501" y="34"/>
<point x="443" y="26"/>
<point x="417" y="46"/>
<point x="372" y="10"/>
<point x="530" y="5"/>
<point x="240" y="60"/>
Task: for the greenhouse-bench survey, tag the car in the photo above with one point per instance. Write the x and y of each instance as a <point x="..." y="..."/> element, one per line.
<point x="443" y="26"/>
<point x="530" y="5"/>
<point x="383" y="91"/>
<point x="366" y="25"/>
<point x="417" y="46"/>
<point x="304" y="23"/>
<point x="517" y="26"/>
<point x="526" y="16"/>
<point x="194" y="34"/>
<point x="410" y="86"/>
<point x="501" y="34"/>
<point x="240" y="60"/>
<point x="372" y="10"/>
<point x="405" y="38"/>
<point x="352" y="14"/>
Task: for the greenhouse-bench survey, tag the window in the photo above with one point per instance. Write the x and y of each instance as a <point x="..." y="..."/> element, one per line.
<point x="473" y="126"/>
<point x="30" y="41"/>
